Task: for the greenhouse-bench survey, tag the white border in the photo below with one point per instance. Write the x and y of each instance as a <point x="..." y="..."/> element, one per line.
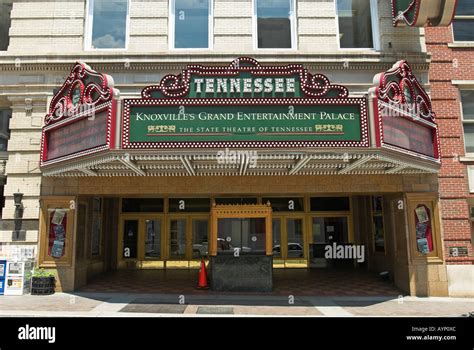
<point x="88" y="28"/>
<point x="374" y="16"/>
<point x="171" y="27"/>
<point x="293" y="28"/>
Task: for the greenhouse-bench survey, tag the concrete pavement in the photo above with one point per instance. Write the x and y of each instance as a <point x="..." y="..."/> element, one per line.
<point x="159" y="305"/>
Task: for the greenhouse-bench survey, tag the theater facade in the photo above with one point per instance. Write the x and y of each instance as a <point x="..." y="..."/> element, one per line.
<point x="250" y="166"/>
<point x="254" y="134"/>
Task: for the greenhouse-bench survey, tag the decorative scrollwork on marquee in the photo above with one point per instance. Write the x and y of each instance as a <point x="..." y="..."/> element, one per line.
<point x="418" y="13"/>
<point x="312" y="85"/>
<point x="400" y="88"/>
<point x="84" y="90"/>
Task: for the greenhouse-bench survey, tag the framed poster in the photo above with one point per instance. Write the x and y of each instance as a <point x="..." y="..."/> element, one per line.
<point x="424" y="239"/>
<point x="57" y="232"/>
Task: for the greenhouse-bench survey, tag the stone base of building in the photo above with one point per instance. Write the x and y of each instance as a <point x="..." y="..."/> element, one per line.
<point x="460" y="280"/>
<point x="247" y="273"/>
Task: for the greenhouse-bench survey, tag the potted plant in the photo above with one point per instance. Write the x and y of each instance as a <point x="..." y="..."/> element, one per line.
<point x="42" y="282"/>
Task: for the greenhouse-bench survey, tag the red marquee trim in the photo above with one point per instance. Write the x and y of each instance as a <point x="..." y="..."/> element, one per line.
<point x="96" y="96"/>
<point x="96" y="90"/>
<point x="312" y="85"/>
<point x="128" y="103"/>
<point x="419" y="13"/>
<point x="391" y="90"/>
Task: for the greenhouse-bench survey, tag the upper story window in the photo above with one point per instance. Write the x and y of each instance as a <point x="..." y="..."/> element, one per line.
<point x="191" y="24"/>
<point x="5" y="22"/>
<point x="275" y="21"/>
<point x="467" y="100"/>
<point x="357" y="23"/>
<point x="108" y="24"/>
<point x="464" y="21"/>
<point x="5" y="115"/>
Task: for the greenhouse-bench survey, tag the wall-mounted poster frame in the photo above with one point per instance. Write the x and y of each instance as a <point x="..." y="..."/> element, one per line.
<point x="425" y="239"/>
<point x="57" y="224"/>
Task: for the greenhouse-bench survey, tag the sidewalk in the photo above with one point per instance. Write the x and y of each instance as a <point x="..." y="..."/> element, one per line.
<point x="159" y="305"/>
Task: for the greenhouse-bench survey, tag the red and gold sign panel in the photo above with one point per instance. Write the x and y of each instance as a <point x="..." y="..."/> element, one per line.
<point x="81" y="118"/>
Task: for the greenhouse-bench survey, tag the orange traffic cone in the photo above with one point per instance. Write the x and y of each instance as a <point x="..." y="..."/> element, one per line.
<point x="202" y="283"/>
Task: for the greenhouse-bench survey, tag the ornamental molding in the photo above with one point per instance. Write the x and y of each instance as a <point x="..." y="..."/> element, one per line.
<point x="419" y="13"/>
<point x="312" y="85"/>
<point x="399" y="92"/>
<point x="95" y="91"/>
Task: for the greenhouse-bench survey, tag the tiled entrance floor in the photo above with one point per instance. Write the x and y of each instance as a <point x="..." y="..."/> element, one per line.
<point x="315" y="282"/>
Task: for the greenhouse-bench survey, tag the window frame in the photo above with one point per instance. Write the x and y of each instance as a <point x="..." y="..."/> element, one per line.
<point x="9" y="28"/>
<point x="461" y="17"/>
<point x="293" y="28"/>
<point x="171" y="29"/>
<point x="375" y="29"/>
<point x="89" y="30"/>
<point x="463" y="121"/>
<point x="4" y="154"/>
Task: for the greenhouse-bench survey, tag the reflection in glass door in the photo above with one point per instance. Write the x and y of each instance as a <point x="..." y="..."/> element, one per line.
<point x="152" y="239"/>
<point x="276" y="235"/>
<point x="130" y="239"/>
<point x="200" y="238"/>
<point x="177" y="241"/>
<point x="244" y="234"/>
<point x="330" y="229"/>
<point x="295" y="238"/>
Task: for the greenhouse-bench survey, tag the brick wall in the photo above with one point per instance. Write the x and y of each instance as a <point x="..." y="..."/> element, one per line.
<point x="451" y="63"/>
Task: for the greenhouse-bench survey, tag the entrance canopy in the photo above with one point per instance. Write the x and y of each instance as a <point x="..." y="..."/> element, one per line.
<point x="240" y="119"/>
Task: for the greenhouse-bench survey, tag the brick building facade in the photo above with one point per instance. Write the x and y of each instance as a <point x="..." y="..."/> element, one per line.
<point x="452" y="84"/>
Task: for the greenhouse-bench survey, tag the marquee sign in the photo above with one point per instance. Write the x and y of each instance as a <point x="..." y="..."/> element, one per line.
<point x="418" y="13"/>
<point x="81" y="117"/>
<point x="245" y="104"/>
<point x="404" y="118"/>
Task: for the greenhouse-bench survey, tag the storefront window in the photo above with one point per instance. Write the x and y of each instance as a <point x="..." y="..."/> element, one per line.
<point x="108" y="20"/>
<point x="327" y="230"/>
<point x="330" y="204"/>
<point x="189" y="205"/>
<point x="177" y="247"/>
<point x="285" y="204"/>
<point x="200" y="238"/>
<point x="247" y="236"/>
<point x="142" y="205"/>
<point x="275" y="20"/>
<point x="5" y="23"/>
<point x="191" y="24"/>
<point x="153" y="239"/>
<point x="355" y="23"/>
<point x="57" y="232"/>
<point x="467" y="100"/>
<point x="463" y="21"/>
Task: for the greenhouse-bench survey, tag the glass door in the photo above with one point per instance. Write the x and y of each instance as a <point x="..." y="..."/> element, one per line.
<point x="295" y="238"/>
<point x="130" y="239"/>
<point x="153" y="240"/>
<point x="200" y="237"/>
<point x="177" y="239"/>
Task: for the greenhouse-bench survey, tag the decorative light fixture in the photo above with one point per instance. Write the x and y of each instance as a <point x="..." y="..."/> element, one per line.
<point x="17" y="197"/>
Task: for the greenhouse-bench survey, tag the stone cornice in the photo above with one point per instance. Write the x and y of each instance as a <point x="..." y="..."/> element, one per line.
<point x="164" y="62"/>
